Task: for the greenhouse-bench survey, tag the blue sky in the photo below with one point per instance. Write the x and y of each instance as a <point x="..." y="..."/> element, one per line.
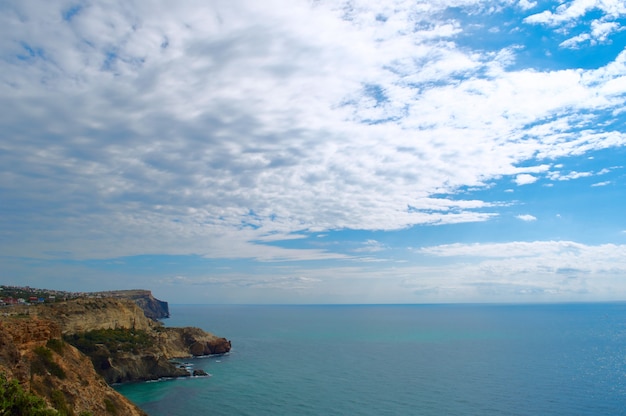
<point x="315" y="151"/>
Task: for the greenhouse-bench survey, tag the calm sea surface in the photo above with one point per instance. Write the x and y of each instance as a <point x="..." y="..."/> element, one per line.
<point x="402" y="360"/>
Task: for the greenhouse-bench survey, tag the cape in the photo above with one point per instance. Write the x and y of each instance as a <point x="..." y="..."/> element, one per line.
<point x="70" y="350"/>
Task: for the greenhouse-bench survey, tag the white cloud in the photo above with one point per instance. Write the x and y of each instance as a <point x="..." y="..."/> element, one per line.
<point x="518" y="271"/>
<point x="541" y="257"/>
<point x="600" y="32"/>
<point x="526" y="217"/>
<point x="599" y="29"/>
<point x="574" y="43"/>
<point x="512" y="249"/>
<point x="604" y="183"/>
<point x="525" y="179"/>
<point x="526" y="4"/>
<point x="577" y="8"/>
<point x="286" y="283"/>
<point x="202" y="129"/>
<point x="559" y="176"/>
<point x="370" y="246"/>
<point x="570" y="176"/>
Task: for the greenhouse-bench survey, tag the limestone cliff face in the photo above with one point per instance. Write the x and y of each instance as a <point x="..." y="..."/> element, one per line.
<point x="32" y="351"/>
<point x="152" y="307"/>
<point x="121" y="367"/>
<point x="190" y="341"/>
<point x="149" y="362"/>
<point x="153" y="361"/>
<point x="82" y="315"/>
<point x="80" y="381"/>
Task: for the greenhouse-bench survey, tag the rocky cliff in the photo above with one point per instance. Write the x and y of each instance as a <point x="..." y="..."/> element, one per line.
<point x="153" y="308"/>
<point x="116" y="340"/>
<point x="148" y="355"/>
<point x="148" y="345"/>
<point x="32" y="351"/>
<point x="88" y="314"/>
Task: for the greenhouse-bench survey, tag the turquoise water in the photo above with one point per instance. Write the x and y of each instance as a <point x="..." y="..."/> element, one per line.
<point x="402" y="360"/>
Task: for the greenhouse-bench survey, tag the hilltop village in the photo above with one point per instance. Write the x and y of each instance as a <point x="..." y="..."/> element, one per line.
<point x="24" y="295"/>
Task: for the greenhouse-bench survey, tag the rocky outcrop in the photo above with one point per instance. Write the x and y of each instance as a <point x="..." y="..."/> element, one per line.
<point x="32" y="352"/>
<point x="200" y="373"/>
<point x="190" y="341"/>
<point x="152" y="307"/>
<point x="148" y="361"/>
<point x="121" y="367"/>
<point x="152" y="360"/>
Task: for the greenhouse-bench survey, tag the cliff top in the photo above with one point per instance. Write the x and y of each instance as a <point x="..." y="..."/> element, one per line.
<point x="153" y="308"/>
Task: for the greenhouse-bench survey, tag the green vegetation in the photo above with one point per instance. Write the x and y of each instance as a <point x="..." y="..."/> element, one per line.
<point x="110" y="407"/>
<point x="15" y="401"/>
<point x="57" y="345"/>
<point x="119" y="339"/>
<point x="46" y="364"/>
<point x="58" y="401"/>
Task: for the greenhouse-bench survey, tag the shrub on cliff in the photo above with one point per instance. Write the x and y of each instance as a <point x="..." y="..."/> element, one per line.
<point x="58" y="401"/>
<point x="119" y="339"/>
<point x="45" y="363"/>
<point x="56" y="345"/>
<point x="15" y="401"/>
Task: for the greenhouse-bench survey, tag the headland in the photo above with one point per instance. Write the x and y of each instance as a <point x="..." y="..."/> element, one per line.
<point x="68" y="348"/>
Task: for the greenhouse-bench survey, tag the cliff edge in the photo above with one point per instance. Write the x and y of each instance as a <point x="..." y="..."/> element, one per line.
<point x="32" y="352"/>
<point x="152" y="307"/>
<point x="125" y="344"/>
<point x="70" y="352"/>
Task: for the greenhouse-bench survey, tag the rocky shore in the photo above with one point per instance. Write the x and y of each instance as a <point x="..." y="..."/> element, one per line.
<point x="70" y="352"/>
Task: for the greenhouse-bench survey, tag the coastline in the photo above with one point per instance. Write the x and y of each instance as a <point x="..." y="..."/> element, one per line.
<point x="69" y="352"/>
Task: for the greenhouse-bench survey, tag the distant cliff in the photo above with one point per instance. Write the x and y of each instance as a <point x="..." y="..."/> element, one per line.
<point x="24" y="295"/>
<point x="56" y="349"/>
<point x="87" y="314"/>
<point x="153" y="308"/>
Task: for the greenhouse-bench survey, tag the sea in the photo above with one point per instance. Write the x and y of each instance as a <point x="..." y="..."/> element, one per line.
<point x="539" y="359"/>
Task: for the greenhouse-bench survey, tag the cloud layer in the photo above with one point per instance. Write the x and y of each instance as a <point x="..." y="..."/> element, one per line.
<point x="134" y="127"/>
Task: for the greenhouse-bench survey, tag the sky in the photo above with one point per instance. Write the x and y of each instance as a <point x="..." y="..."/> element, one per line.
<point x="315" y="151"/>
